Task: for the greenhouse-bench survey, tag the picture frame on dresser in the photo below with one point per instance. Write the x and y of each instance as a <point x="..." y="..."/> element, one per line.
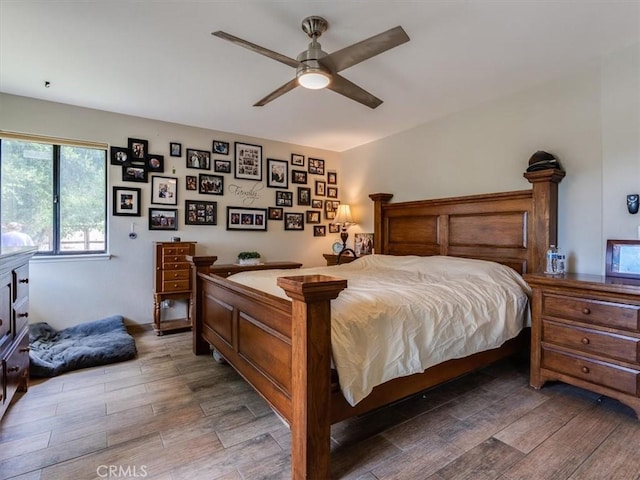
<point x="623" y="259"/>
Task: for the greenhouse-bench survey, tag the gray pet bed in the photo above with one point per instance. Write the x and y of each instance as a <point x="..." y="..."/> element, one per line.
<point x="89" y="344"/>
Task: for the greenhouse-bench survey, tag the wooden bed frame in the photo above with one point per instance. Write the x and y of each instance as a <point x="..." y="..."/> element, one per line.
<point x="264" y="337"/>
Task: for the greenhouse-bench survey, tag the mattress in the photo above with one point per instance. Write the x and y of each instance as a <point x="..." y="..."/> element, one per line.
<point x="400" y="315"/>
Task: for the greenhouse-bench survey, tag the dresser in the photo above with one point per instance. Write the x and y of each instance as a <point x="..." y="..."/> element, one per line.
<point x="14" y="331"/>
<point x="586" y="332"/>
<point x="172" y="281"/>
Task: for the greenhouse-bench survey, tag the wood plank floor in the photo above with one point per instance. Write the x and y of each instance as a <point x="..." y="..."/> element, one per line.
<point x="170" y="415"/>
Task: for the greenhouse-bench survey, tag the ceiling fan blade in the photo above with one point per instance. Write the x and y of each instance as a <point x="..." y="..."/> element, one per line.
<point x="341" y="85"/>
<point x="287" y="87"/>
<point x="257" y="48"/>
<point x="358" y="52"/>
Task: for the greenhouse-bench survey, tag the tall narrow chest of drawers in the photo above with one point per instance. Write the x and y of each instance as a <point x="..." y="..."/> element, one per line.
<point x="586" y="332"/>
<point x="172" y="281"/>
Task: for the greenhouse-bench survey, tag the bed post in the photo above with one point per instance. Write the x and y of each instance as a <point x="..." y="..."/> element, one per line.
<point x="545" y="215"/>
<point x="311" y="297"/>
<point x="198" y="265"/>
<point x="378" y="200"/>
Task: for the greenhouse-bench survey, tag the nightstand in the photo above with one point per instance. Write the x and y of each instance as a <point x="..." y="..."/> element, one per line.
<point x="333" y="259"/>
<point x="585" y="331"/>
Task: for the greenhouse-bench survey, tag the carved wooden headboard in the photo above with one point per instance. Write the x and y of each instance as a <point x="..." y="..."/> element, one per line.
<point x="513" y="228"/>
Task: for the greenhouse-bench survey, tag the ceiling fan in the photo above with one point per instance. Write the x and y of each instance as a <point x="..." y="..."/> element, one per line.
<point x="315" y="69"/>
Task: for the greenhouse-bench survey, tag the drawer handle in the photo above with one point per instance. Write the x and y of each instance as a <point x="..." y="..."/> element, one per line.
<point x="585" y="369"/>
<point x="12" y="369"/>
<point x="23" y="315"/>
<point x="175" y="285"/>
<point x="585" y="341"/>
<point x="586" y="311"/>
<point x="23" y="280"/>
<point x="175" y="275"/>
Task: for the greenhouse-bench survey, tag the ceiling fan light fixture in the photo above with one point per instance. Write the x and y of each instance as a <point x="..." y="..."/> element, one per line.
<point x="314" y="79"/>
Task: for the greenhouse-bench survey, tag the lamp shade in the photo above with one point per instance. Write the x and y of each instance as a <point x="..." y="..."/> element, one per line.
<point x="343" y="215"/>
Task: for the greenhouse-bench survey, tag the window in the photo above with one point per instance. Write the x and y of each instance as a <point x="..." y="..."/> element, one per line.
<point x="53" y="195"/>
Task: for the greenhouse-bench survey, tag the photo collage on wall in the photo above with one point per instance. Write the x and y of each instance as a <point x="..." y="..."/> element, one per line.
<point x="305" y="193"/>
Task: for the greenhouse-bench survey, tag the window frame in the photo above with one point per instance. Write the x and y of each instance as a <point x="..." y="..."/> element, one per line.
<point x="57" y="144"/>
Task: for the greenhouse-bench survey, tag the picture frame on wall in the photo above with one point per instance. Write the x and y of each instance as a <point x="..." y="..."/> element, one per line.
<point x="155" y="163"/>
<point x="120" y="156"/>
<point x="316" y="203"/>
<point x="164" y="190"/>
<point x="175" y="149"/>
<point x="304" y="196"/>
<point x="293" y="221"/>
<point x="312" y="216"/>
<point x="332" y="178"/>
<point x="221" y="148"/>
<point x="276" y="213"/>
<point x="198" y="159"/>
<point x="139" y="148"/>
<point x="192" y="182"/>
<point x="297" y="160"/>
<point x="248" y="161"/>
<point x="332" y="192"/>
<point x="334" y="228"/>
<point x="299" y="176"/>
<point x="321" y="188"/>
<point x="126" y="201"/>
<point x="284" y="198"/>
<point x="198" y="212"/>
<point x="163" y="219"/>
<point x="247" y="219"/>
<point x="222" y="166"/>
<point x="319" y="231"/>
<point x="135" y="172"/>
<point x="316" y="166"/>
<point x="210" y="184"/>
<point x="277" y="173"/>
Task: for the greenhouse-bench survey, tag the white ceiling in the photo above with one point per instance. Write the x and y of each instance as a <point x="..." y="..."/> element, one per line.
<point x="157" y="59"/>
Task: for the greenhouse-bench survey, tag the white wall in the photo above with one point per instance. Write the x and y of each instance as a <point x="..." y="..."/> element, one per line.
<point x="589" y="121"/>
<point x="67" y="292"/>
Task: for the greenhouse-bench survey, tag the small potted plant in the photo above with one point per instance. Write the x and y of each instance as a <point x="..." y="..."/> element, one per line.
<point x="248" y="258"/>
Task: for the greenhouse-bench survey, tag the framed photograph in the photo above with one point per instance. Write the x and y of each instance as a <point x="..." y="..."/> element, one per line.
<point x="138" y="148"/>
<point x="192" y="182"/>
<point x="200" y="159"/>
<point x="198" y="212"/>
<point x="363" y="244"/>
<point x="221" y="148"/>
<point x="332" y="178"/>
<point x="316" y="203"/>
<point x="334" y="228"/>
<point x="293" y="221"/>
<point x="164" y="190"/>
<point x="136" y="172"/>
<point x="299" y="176"/>
<point x="248" y="161"/>
<point x="330" y="214"/>
<point x="284" y="198"/>
<point x="155" y="163"/>
<point x="277" y="173"/>
<point x="312" y="216"/>
<point x="222" y="166"/>
<point x="120" y="156"/>
<point x="332" y="192"/>
<point x="126" y="201"/>
<point x="321" y="188"/>
<point x="240" y="218"/>
<point x="623" y="258"/>
<point x="316" y="166"/>
<point x="175" y="149"/>
<point x="297" y="160"/>
<point x="304" y="196"/>
<point x="319" y="231"/>
<point x="276" y="213"/>
<point x="163" y="219"/>
<point x="211" y="184"/>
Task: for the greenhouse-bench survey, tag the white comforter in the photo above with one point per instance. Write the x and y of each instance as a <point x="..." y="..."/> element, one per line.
<point x="401" y="315"/>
